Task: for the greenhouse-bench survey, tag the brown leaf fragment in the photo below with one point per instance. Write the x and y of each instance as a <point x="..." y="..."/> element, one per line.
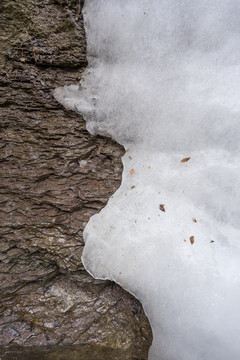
<point x="161" y="207"/>
<point x="194" y="220"/>
<point x="192" y="240"/>
<point x="131" y="171"/>
<point x="185" y="240"/>
<point x="133" y="187"/>
<point x="185" y="159"/>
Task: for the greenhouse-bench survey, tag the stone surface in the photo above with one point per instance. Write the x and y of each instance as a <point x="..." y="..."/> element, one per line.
<point x="54" y="176"/>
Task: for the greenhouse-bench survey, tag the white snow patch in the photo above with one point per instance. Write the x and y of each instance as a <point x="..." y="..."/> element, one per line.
<point x="164" y="81"/>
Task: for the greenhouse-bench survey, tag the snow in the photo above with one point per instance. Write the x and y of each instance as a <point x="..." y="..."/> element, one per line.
<point x="164" y="81"/>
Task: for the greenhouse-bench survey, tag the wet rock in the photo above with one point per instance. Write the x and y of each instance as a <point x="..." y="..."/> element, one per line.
<point x="72" y="309"/>
<point x="54" y="176"/>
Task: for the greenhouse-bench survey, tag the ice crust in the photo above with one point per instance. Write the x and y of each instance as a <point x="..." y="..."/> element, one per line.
<point x="164" y="81"/>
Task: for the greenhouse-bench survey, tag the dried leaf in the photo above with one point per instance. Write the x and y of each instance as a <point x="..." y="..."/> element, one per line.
<point x="149" y="167"/>
<point x="161" y="207"/>
<point x="192" y="240"/>
<point x="131" y="171"/>
<point x="133" y="187"/>
<point x="185" y="159"/>
<point x="185" y="240"/>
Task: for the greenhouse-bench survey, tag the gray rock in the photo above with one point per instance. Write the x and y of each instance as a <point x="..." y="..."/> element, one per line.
<point x="54" y="176"/>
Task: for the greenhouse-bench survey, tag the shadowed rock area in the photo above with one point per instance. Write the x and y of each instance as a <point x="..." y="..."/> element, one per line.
<point x="54" y="176"/>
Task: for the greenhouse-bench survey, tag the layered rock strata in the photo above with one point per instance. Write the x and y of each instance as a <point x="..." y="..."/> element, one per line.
<point x="54" y="177"/>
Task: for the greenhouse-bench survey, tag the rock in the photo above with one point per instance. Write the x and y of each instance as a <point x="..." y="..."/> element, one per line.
<point x="54" y="176"/>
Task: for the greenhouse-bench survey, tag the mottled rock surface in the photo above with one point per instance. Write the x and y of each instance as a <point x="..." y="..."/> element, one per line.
<point x="54" y="176"/>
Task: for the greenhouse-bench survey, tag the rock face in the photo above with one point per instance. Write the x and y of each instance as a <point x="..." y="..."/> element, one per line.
<point x="54" y="176"/>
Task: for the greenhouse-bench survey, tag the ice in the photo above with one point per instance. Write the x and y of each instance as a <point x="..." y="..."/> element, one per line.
<point x="164" y="81"/>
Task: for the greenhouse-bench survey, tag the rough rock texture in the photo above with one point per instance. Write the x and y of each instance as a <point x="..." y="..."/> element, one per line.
<point x="54" y="176"/>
